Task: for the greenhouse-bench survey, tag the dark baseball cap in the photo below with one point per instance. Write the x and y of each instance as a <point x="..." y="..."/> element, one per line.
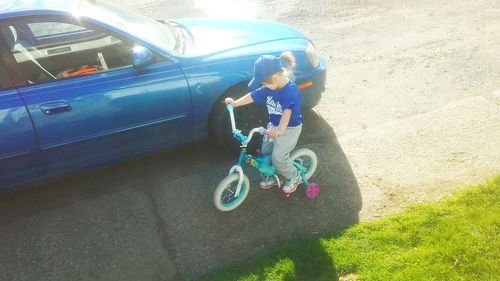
<point x="265" y="66"/>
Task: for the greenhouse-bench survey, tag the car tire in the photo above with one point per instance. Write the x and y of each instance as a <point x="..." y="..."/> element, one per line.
<point x="246" y="117"/>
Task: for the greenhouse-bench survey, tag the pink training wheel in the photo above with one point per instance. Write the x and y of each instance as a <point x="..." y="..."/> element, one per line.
<point x="312" y="190"/>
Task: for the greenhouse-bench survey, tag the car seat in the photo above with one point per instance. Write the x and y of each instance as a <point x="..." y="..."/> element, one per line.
<point x="17" y="46"/>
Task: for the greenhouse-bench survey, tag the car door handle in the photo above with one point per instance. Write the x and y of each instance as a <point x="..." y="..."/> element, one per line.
<point x="55" y="107"/>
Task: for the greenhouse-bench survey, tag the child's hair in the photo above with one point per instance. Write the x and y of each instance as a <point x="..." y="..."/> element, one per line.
<point x="288" y="58"/>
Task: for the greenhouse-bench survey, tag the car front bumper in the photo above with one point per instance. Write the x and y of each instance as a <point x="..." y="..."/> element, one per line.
<point x="311" y="93"/>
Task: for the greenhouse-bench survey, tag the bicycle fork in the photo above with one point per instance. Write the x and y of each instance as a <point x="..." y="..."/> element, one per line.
<point x="237" y="168"/>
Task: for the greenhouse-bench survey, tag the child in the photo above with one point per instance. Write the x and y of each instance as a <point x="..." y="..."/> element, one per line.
<point x="272" y="85"/>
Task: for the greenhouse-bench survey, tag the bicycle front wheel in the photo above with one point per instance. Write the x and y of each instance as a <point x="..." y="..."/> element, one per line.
<point x="224" y="196"/>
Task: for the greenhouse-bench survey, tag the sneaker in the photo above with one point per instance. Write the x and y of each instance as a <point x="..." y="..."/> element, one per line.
<point x="291" y="184"/>
<point x="268" y="183"/>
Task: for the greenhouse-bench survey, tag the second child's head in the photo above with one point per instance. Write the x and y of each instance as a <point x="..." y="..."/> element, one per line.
<point x="272" y="72"/>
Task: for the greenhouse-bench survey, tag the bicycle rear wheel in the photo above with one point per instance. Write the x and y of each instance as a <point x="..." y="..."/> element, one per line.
<point x="307" y="159"/>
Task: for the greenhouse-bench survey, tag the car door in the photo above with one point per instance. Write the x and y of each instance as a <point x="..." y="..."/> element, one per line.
<point x="88" y="103"/>
<point x="19" y="157"/>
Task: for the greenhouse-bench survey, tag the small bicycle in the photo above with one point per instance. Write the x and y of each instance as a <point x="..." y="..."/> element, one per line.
<point x="234" y="188"/>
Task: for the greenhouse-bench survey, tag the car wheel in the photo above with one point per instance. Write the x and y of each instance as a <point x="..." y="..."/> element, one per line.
<point x="246" y="118"/>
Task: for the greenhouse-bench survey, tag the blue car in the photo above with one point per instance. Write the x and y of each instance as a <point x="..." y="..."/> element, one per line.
<point x="84" y="83"/>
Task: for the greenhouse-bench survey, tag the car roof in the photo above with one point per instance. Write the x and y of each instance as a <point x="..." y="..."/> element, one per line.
<point x="16" y="7"/>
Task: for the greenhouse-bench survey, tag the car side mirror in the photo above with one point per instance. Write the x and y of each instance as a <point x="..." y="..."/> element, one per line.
<point x="141" y="57"/>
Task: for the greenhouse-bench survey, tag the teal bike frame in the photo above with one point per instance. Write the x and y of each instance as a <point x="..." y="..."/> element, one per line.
<point x="262" y="163"/>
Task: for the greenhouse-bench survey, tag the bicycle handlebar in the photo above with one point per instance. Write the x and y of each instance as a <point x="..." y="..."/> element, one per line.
<point x="237" y="133"/>
<point x="231" y="115"/>
<point x="260" y="130"/>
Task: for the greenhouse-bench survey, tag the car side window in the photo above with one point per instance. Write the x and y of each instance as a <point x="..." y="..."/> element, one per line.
<point x="51" y="50"/>
<point x="4" y="83"/>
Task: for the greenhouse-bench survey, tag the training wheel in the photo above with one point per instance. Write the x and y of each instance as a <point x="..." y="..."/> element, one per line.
<point x="312" y="190"/>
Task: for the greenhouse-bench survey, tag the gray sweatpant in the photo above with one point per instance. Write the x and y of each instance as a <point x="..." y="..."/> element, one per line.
<point x="281" y="148"/>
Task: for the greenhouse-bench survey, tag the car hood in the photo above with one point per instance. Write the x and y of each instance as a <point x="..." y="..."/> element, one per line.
<point x="208" y="36"/>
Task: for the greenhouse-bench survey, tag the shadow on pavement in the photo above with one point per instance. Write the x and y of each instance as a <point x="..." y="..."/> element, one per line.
<point x="153" y="218"/>
<point x="264" y="219"/>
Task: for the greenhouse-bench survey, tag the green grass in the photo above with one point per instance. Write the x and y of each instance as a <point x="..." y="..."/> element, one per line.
<point x="455" y="239"/>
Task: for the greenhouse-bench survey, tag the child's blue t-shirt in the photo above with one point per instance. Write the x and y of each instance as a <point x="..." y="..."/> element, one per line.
<point x="278" y="100"/>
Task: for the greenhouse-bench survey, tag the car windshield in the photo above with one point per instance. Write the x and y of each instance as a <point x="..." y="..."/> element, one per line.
<point x="140" y="26"/>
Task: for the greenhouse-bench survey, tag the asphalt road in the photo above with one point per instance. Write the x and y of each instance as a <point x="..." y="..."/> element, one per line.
<point x="410" y="113"/>
<point x="153" y="218"/>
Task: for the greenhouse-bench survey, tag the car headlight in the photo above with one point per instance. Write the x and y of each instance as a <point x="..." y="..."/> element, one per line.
<point x="312" y="55"/>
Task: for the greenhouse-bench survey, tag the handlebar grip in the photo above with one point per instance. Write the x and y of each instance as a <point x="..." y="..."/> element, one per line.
<point x="265" y="133"/>
<point x="262" y="131"/>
